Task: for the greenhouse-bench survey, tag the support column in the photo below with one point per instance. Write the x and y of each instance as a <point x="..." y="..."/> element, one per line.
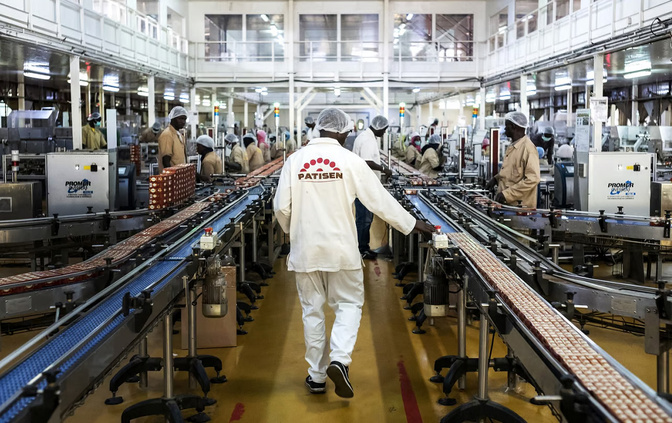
<point x="230" y="117"/>
<point x="245" y="115"/>
<point x="431" y="110"/>
<point x="635" y="105"/>
<point x="289" y="33"/>
<point x="87" y="101"/>
<point x="292" y="117"/>
<point x="598" y="90"/>
<point x="101" y="105"/>
<point x="524" y="107"/>
<point x="75" y="108"/>
<point x="194" y="113"/>
<point x="569" y="107"/>
<point x="21" y="92"/>
<point x="151" y="99"/>
<point x="482" y="109"/>
<point x="386" y="58"/>
<point x="128" y="104"/>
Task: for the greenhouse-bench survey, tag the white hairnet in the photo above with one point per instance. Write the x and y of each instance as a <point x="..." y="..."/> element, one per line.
<point x="93" y="116"/>
<point x="549" y="130"/>
<point x="414" y="134"/>
<point x="334" y="120"/>
<point x="434" y="139"/>
<point x="156" y="127"/>
<point x="231" y="138"/>
<point x="309" y="120"/>
<point x="565" y="152"/>
<point x="517" y="118"/>
<point x="177" y="112"/>
<point x="206" y="141"/>
<point x="379" y="122"/>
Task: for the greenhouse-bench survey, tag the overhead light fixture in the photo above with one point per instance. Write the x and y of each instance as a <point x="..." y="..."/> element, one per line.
<point x="280" y="39"/>
<point x="469" y="102"/>
<point x="490" y="98"/>
<point x="264" y="18"/>
<point x="409" y="16"/>
<point x="169" y="96"/>
<point x="197" y="100"/>
<point x="274" y="30"/>
<point x="416" y="90"/>
<point x="110" y="88"/>
<point x="337" y="91"/>
<point x="36" y="75"/>
<point x="264" y="93"/>
<point x="505" y="95"/>
<point x="591" y="77"/>
<point x="206" y="102"/>
<point x="184" y="98"/>
<point x="563" y="87"/>
<point x="638" y="74"/>
<point x="637" y="65"/>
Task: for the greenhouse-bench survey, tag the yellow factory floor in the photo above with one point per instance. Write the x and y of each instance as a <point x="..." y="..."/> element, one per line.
<point x="390" y="370"/>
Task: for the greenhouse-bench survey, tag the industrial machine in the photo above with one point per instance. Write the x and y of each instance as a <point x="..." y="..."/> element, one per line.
<point x="20" y="200"/>
<point x="127" y="186"/>
<point x="563" y="185"/>
<point x="619" y="179"/>
<point x="80" y="182"/>
<point x="32" y="131"/>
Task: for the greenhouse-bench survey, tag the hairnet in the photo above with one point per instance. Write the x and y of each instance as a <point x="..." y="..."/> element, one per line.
<point x="517" y="118"/>
<point x="434" y="139"/>
<point x="414" y="134"/>
<point x="261" y="136"/>
<point x="565" y="152"/>
<point x="177" y="112"/>
<point x="541" y="152"/>
<point x="156" y="127"/>
<point x="549" y="130"/>
<point x="379" y="122"/>
<point x="485" y="143"/>
<point x="206" y="141"/>
<point x="309" y="120"/>
<point x="93" y="116"/>
<point x="231" y="138"/>
<point x="334" y="120"/>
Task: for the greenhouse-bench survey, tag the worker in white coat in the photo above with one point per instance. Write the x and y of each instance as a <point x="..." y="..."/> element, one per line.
<point x="312" y="132"/>
<point x="367" y="147"/>
<point x="313" y="203"/>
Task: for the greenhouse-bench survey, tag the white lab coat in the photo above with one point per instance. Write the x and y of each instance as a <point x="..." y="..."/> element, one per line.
<point x="315" y="206"/>
<point x="366" y="147"/>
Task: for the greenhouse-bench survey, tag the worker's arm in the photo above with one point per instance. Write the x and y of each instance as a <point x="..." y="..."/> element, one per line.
<point x="233" y="166"/>
<point x="530" y="179"/>
<point x="379" y="167"/>
<point x="377" y="200"/>
<point x="282" y="202"/>
<point x="165" y="160"/>
<point x="165" y="148"/>
<point x="207" y="169"/>
<point x="550" y="147"/>
<point x="442" y="160"/>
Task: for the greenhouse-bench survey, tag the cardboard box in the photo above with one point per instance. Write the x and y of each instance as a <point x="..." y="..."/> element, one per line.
<point x="215" y="332"/>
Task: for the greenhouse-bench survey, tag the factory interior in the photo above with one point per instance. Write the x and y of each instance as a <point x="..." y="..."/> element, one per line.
<point x="145" y="274"/>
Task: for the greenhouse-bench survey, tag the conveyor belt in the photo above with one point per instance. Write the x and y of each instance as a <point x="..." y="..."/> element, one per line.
<point x="14" y="380"/>
<point x="429" y="214"/>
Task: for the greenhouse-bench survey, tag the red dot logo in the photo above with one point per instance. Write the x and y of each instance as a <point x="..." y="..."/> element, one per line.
<point x="312" y="162"/>
<point x="326" y="161"/>
<point x="306" y="165"/>
<point x="319" y="160"/>
<point x="332" y="164"/>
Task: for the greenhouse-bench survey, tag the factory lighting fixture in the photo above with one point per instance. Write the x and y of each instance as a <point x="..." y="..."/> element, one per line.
<point x="563" y="83"/>
<point x="469" y="102"/>
<point x="143" y="91"/>
<point x="197" y="100"/>
<point x="206" y="102"/>
<point x="637" y="74"/>
<point x="490" y="98"/>
<point x="111" y="88"/>
<point x="416" y="90"/>
<point x="409" y="16"/>
<point x="280" y="39"/>
<point x="274" y="30"/>
<point x="337" y="91"/>
<point x="36" y="75"/>
<point x="563" y="87"/>
<point x="264" y="18"/>
<point x="168" y="96"/>
<point x="505" y="95"/>
<point x="184" y="98"/>
<point x="531" y="89"/>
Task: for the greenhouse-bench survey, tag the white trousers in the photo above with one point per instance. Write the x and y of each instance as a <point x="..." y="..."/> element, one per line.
<point x="344" y="292"/>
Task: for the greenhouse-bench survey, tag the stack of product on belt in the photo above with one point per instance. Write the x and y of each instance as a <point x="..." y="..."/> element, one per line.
<point x="254" y="177"/>
<point x="174" y="185"/>
<point x="136" y="158"/>
<point x="624" y="400"/>
<point x="414" y="175"/>
<point x="86" y="269"/>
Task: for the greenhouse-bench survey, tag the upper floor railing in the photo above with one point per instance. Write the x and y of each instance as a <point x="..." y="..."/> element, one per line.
<point x="555" y="29"/>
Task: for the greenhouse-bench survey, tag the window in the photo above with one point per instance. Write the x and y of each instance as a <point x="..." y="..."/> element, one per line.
<point x="412" y="37"/>
<point x="359" y="34"/>
<point x="526" y="17"/>
<point x="562" y="7"/>
<point x="319" y="37"/>
<point x="265" y="37"/>
<point x="222" y="32"/>
<point x="498" y="25"/>
<point x="454" y="36"/>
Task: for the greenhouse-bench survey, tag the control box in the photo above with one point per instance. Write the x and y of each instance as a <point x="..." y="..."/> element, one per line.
<point x="619" y="179"/>
<point x="208" y="240"/>
<point x="439" y="239"/>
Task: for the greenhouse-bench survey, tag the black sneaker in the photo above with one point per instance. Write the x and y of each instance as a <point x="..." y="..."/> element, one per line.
<point x="314" y="387"/>
<point x="338" y="373"/>
<point x="369" y="255"/>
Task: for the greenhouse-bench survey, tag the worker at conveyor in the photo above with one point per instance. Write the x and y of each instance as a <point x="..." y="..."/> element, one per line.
<point x="254" y="155"/>
<point x="413" y="155"/>
<point x="151" y="134"/>
<point x="263" y="146"/>
<point x="432" y="160"/>
<point x="313" y="203"/>
<point x="519" y="176"/>
<point x="312" y="131"/>
<point x="92" y="137"/>
<point x="399" y="147"/>
<point x="546" y="140"/>
<point x="172" y="148"/>
<point x="366" y="146"/>
<point x="210" y="163"/>
<point x="290" y="144"/>
<point x="238" y="161"/>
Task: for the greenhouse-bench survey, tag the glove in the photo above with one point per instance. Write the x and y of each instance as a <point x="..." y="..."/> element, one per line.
<point x="500" y="198"/>
<point x="491" y="184"/>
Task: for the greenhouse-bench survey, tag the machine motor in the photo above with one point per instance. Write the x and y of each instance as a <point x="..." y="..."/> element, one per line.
<point x="215" y="302"/>
<point x="436" y="291"/>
